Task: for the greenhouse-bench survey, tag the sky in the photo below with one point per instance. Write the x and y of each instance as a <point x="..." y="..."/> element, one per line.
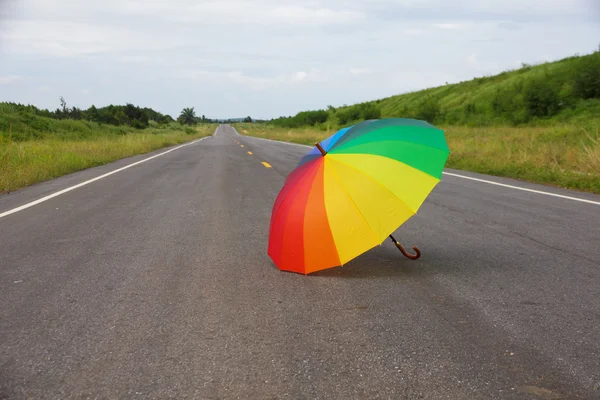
<point x="271" y="58"/>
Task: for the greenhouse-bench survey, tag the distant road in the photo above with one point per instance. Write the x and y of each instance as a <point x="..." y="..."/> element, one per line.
<point x="154" y="282"/>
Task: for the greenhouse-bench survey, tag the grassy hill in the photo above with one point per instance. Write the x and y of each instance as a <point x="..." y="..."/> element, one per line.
<point x="567" y="90"/>
<point x="539" y="123"/>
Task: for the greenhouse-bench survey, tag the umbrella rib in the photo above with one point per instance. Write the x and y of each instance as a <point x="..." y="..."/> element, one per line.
<point x="351" y="151"/>
<point x="286" y="195"/>
<point x="344" y="147"/>
<point x="381" y="184"/>
<point x="347" y="138"/>
<point x="352" y="200"/>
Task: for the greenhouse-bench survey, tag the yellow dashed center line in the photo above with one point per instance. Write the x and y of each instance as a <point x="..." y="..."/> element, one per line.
<point x="266" y="164"/>
<point x="242" y="145"/>
<point x="250" y="152"/>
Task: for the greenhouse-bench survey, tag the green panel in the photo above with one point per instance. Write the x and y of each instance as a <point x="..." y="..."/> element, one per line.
<point x="366" y="127"/>
<point x="401" y="135"/>
<point x="424" y="158"/>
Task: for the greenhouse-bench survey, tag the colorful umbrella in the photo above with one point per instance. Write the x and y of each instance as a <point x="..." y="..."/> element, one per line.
<point x="352" y="191"/>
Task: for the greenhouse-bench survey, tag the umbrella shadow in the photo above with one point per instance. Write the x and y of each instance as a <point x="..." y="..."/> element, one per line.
<point x="383" y="262"/>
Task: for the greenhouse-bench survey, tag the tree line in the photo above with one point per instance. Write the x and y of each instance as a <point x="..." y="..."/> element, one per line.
<point x="117" y="115"/>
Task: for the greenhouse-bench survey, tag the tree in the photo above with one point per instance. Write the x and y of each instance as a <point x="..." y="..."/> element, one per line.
<point x="63" y="104"/>
<point x="93" y="114"/>
<point x="248" y="119"/>
<point x="62" y="112"/>
<point x="586" y="77"/>
<point x="188" y="116"/>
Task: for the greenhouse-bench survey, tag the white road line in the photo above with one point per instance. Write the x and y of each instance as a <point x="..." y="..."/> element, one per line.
<point x="524" y="189"/>
<point x="462" y="176"/>
<point x="33" y="203"/>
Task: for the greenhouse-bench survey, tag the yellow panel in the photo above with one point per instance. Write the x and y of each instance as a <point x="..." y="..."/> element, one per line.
<point x="407" y="183"/>
<point x="382" y="210"/>
<point x="351" y="233"/>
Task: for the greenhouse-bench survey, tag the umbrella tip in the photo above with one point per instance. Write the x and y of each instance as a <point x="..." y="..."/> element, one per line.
<point x="320" y="148"/>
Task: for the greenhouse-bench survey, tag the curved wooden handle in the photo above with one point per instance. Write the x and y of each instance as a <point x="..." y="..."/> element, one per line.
<point x="408" y="255"/>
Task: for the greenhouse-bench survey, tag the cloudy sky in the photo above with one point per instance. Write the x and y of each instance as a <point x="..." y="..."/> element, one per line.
<point x="267" y="58"/>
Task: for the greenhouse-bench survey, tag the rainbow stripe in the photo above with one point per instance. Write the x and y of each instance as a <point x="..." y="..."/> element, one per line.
<point x="373" y="178"/>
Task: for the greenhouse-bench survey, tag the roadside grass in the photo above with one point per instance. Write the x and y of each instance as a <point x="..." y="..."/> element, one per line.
<point x="30" y="161"/>
<point x="566" y="155"/>
<point x="306" y="136"/>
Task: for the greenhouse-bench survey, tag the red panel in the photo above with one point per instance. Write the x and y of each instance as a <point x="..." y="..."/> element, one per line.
<point x="286" y="238"/>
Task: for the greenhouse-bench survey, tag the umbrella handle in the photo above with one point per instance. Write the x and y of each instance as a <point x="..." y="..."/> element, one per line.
<point x="321" y="149"/>
<point x="403" y="251"/>
<point x="411" y="256"/>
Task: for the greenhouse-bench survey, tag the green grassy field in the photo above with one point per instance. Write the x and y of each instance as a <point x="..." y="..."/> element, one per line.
<point x="563" y="155"/>
<point x="34" y="149"/>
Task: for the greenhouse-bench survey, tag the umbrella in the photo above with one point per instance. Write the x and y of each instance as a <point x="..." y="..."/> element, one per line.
<point x="352" y="191"/>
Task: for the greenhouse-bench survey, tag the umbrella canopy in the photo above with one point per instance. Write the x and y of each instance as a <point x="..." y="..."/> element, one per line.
<point x="352" y="190"/>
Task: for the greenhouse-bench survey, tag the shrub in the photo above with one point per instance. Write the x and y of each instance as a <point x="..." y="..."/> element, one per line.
<point x="586" y="77"/>
<point x="370" y="111"/>
<point x="428" y="110"/>
<point x="348" y="114"/>
<point x="541" y="98"/>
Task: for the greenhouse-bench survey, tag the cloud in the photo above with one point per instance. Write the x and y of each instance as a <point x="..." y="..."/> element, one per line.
<point x="218" y="54"/>
<point x="413" y="32"/>
<point x="68" y="39"/>
<point x="359" y="71"/>
<point x="509" y="26"/>
<point x="255" y="82"/>
<point x="44" y="88"/>
<point x="448" y="26"/>
<point x="484" y="68"/>
<point x="256" y="12"/>
<point x="8" y="79"/>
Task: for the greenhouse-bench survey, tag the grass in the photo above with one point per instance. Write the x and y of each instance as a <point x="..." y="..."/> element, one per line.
<point x="39" y="156"/>
<point x="306" y="136"/>
<point x="562" y="155"/>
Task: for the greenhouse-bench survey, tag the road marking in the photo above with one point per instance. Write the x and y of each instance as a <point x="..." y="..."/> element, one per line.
<point x="266" y="164"/>
<point x="457" y="175"/>
<point x="250" y="152"/>
<point x="271" y="140"/>
<point x="38" y="201"/>
<point x="522" y="188"/>
<point x="279" y="141"/>
<point x="242" y="145"/>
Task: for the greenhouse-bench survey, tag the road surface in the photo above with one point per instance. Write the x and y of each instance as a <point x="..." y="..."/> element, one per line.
<point x="154" y="282"/>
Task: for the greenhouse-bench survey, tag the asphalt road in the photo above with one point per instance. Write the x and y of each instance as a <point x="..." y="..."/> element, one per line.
<point x="154" y="282"/>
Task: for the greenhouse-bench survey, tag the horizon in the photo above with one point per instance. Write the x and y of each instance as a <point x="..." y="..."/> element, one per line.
<point x="321" y="107"/>
<point x="156" y="56"/>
